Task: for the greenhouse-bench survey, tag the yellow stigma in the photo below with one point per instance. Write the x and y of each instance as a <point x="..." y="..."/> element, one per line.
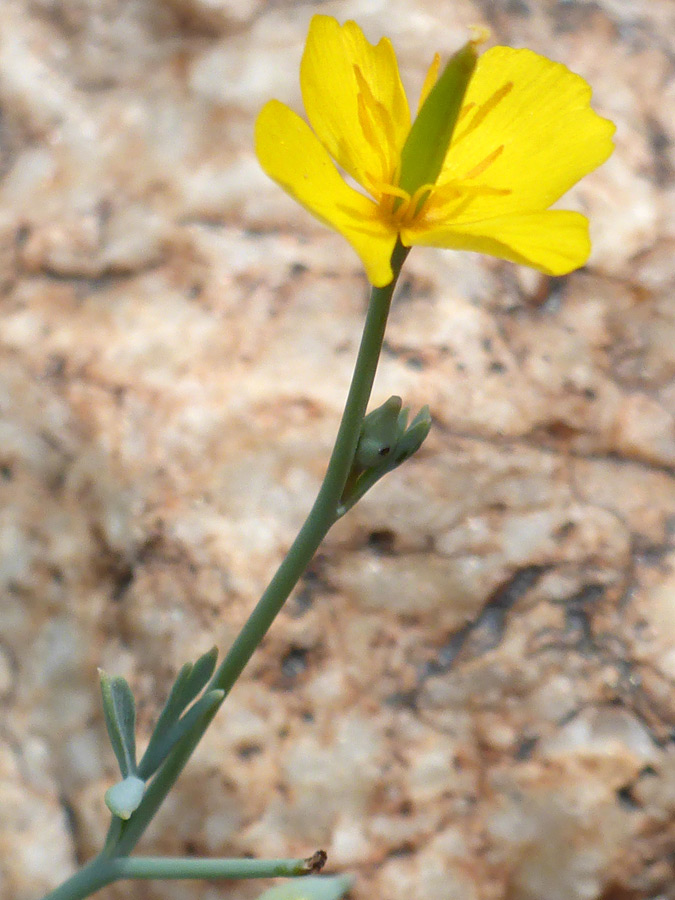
<point x="480" y="34"/>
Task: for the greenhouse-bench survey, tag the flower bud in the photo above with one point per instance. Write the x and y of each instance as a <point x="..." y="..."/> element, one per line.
<point x="414" y="436"/>
<point x="379" y="434"/>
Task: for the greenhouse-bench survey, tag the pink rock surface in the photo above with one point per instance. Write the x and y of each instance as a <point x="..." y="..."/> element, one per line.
<point x="471" y="693"/>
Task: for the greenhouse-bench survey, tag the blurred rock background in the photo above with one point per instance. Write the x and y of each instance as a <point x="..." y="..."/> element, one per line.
<point x="470" y="696"/>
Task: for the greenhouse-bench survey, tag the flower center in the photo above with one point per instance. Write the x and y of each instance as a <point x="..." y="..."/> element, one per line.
<point x="431" y="203"/>
<point x="400" y="208"/>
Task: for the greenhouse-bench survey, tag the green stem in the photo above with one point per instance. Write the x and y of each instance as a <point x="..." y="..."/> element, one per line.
<point x="97" y="873"/>
<point x="185" y="867"/>
<point x="100" y="872"/>
<point x="322" y="516"/>
<point x="123" y="836"/>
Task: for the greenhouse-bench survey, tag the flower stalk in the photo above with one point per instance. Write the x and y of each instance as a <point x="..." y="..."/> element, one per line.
<point x="114" y="861"/>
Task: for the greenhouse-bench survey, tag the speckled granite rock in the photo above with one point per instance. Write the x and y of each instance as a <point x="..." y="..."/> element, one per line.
<point x="471" y="696"/>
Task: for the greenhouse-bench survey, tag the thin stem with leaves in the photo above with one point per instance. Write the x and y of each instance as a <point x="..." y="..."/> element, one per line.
<point x="123" y="836"/>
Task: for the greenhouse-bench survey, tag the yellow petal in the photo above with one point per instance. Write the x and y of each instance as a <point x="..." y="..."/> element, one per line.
<point x="354" y="99"/>
<point x="555" y="242"/>
<point x="291" y="155"/>
<point x="526" y="127"/>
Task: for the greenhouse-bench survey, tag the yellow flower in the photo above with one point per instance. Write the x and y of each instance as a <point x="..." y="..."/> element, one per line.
<point x="525" y="134"/>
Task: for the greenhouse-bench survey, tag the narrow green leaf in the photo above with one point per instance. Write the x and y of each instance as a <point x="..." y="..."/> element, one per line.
<point x="123" y="798"/>
<point x="189" y="682"/>
<point x="158" y="750"/>
<point x="313" y="887"/>
<point x="119" y="709"/>
<point x="175" y="703"/>
<point x="200" y="674"/>
<point x="429" y="138"/>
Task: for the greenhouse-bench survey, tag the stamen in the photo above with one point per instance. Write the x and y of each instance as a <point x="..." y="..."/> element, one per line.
<point x="374" y="117"/>
<point x="430" y="79"/>
<point x="483" y="190"/>
<point x="391" y="190"/>
<point x="485" y="109"/>
<point x="461" y="206"/>
<point x="365" y="121"/>
<point x="417" y="201"/>
<point x="397" y="205"/>
<point x="485" y="164"/>
<point x="440" y="208"/>
<point x="386" y="124"/>
<point x="445" y="193"/>
<point x="490" y="104"/>
<point x="421" y="190"/>
<point x="464" y="110"/>
<point x="371" y="183"/>
<point x="392" y="200"/>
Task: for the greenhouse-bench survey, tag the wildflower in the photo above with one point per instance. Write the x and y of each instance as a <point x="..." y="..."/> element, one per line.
<point x="524" y="135"/>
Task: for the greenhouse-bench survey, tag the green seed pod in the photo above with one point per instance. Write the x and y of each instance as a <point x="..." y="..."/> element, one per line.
<point x="429" y="138"/>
